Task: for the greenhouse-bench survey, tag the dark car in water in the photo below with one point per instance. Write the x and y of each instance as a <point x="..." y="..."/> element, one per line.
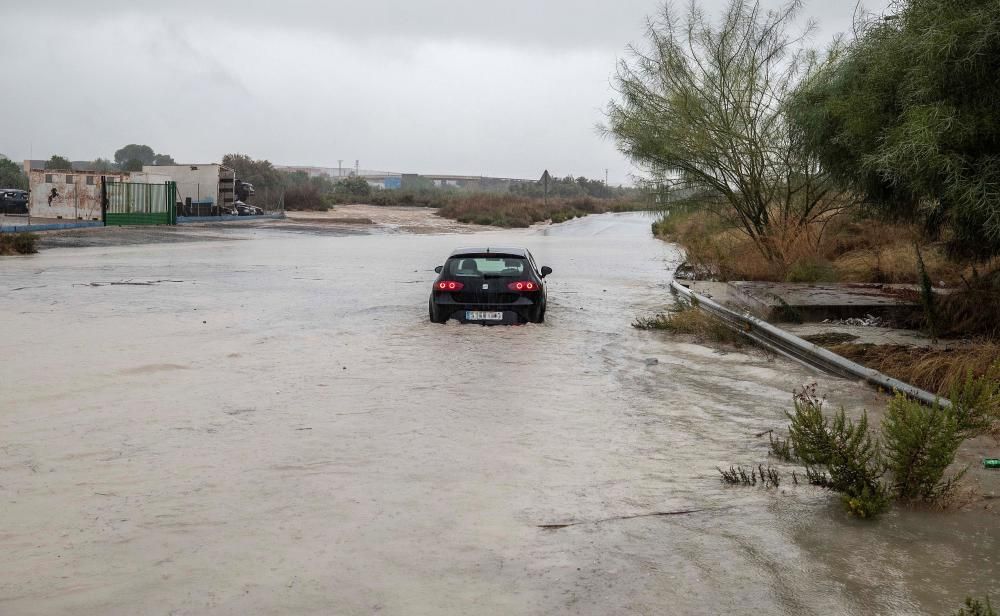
<point x="490" y="286"/>
<point x="13" y="201"/>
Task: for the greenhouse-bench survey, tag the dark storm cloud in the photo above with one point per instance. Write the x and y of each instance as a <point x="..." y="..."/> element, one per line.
<point x="550" y="23"/>
<point x="406" y="85"/>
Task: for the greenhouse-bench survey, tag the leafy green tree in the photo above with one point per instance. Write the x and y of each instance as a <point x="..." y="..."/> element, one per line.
<point x="260" y="173"/>
<point x="906" y="116"/>
<point x="133" y="164"/>
<point x="103" y="165"/>
<point x="11" y="175"/>
<point x="594" y="188"/>
<point x="558" y="187"/>
<point x="355" y="188"/>
<point x="59" y="163"/>
<point x="701" y="108"/>
<point x="142" y="153"/>
<point x="164" y="159"/>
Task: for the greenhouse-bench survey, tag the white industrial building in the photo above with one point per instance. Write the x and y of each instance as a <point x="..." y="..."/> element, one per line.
<point x="206" y="186"/>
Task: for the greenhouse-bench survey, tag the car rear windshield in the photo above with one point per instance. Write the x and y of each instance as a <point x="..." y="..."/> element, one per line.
<point x="486" y="267"/>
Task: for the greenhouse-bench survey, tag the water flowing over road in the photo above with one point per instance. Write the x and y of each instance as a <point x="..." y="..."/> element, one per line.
<point x="272" y="426"/>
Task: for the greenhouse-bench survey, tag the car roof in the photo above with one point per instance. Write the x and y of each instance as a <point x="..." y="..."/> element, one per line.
<point x="498" y="250"/>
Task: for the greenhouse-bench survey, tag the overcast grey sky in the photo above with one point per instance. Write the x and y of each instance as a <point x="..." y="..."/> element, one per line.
<point x="434" y="86"/>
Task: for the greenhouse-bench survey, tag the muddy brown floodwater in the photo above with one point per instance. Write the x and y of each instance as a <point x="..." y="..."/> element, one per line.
<point x="273" y="427"/>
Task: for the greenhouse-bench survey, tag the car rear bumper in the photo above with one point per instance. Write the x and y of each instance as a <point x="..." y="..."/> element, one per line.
<point x="521" y="311"/>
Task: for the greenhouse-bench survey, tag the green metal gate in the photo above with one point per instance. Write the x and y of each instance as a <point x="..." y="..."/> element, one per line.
<point x="131" y="203"/>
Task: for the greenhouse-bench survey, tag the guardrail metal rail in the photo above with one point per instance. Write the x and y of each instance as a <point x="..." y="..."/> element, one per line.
<point x="802" y="351"/>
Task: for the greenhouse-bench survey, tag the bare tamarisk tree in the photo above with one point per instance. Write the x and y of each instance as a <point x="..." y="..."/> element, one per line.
<point x="701" y="108"/>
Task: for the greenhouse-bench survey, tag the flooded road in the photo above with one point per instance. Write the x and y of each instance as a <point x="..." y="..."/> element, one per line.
<point x="272" y="426"/>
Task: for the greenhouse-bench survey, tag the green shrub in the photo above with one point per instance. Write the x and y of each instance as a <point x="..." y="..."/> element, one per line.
<point x="976" y="403"/>
<point x="305" y="198"/>
<point x="841" y="455"/>
<point x="920" y="444"/>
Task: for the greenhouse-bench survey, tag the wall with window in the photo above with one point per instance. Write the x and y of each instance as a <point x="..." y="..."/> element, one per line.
<point x="74" y="195"/>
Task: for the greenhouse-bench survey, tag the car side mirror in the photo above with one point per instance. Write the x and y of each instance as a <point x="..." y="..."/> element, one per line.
<point x="439" y="269"/>
<point x="546" y="270"/>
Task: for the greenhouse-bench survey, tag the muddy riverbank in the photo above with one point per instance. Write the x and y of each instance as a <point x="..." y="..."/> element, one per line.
<point x="341" y="221"/>
<point x="272" y="426"/>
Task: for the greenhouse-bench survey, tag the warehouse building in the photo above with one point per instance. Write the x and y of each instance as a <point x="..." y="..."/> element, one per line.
<point x="201" y="189"/>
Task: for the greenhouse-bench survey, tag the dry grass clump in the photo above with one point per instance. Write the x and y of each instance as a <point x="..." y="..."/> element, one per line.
<point x="506" y="210"/>
<point x="973" y="309"/>
<point x="838" y="249"/>
<point x="937" y="370"/>
<point x="691" y="321"/>
<point x="18" y="243"/>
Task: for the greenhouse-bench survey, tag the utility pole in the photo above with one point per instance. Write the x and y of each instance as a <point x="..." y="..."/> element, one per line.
<point x="340" y="168"/>
<point x="357" y="168"/>
<point x="605" y="178"/>
<point x="545" y="183"/>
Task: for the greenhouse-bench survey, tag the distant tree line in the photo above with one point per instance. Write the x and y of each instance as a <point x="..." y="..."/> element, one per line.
<point x="132" y="157"/>
<point x="569" y="187"/>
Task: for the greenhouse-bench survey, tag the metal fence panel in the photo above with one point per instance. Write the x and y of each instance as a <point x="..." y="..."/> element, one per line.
<point x="132" y="203"/>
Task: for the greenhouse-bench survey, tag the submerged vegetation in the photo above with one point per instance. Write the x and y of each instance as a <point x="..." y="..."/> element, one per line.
<point x="690" y="320"/>
<point x="975" y="607"/>
<point x="906" y="459"/>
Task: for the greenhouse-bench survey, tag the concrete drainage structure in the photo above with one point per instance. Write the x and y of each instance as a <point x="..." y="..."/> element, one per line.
<point x="797" y="349"/>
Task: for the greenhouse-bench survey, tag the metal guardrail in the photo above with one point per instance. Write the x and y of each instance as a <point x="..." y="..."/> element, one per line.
<point x="797" y="349"/>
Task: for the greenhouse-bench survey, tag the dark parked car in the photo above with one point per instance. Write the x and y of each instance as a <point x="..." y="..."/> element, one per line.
<point x="13" y="201"/>
<point x="245" y="209"/>
<point x="489" y="286"/>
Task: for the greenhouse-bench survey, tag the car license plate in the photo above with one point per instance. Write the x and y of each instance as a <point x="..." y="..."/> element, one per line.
<point x="483" y="316"/>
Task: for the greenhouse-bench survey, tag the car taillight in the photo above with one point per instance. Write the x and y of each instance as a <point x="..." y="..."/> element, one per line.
<point x="449" y="285"/>
<point x="523" y="285"/>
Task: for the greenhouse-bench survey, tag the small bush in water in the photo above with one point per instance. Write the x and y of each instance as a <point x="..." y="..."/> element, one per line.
<point x="920" y="444"/>
<point x="840" y="455"/>
<point x="975" y="607"/>
<point x="976" y="403"/>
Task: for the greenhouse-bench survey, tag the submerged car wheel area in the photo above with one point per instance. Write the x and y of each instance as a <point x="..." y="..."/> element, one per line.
<point x="489" y="286"/>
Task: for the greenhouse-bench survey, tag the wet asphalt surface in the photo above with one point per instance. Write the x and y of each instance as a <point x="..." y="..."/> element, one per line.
<point x="272" y="426"/>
